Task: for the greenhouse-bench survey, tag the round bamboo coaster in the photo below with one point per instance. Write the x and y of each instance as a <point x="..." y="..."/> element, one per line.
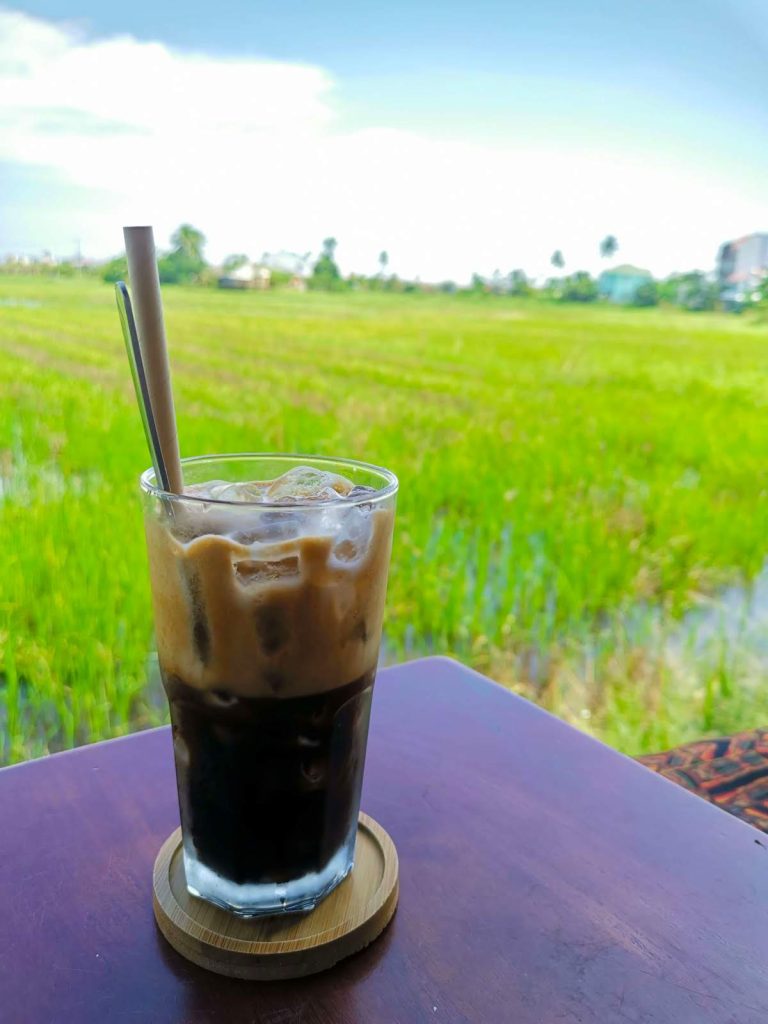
<point x="282" y="946"/>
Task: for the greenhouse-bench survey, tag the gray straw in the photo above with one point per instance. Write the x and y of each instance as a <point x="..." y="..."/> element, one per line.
<point x="136" y="361"/>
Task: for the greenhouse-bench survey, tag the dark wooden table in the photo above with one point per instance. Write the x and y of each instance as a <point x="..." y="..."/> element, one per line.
<point x="544" y="878"/>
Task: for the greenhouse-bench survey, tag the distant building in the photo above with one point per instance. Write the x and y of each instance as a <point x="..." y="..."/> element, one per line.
<point x="249" y="275"/>
<point x="620" y="284"/>
<point x="741" y="266"/>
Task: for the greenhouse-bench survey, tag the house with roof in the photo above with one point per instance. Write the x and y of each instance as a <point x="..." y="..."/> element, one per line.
<point x="741" y="267"/>
<point x="248" y="275"/>
<point x="621" y="284"/>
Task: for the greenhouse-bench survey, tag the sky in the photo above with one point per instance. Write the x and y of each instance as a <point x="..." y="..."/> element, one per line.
<point x="458" y="137"/>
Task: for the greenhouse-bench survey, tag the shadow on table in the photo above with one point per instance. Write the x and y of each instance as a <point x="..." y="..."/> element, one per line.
<point x="336" y="994"/>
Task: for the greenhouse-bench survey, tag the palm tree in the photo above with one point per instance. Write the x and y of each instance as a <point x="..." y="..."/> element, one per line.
<point x="325" y="273"/>
<point x="189" y="241"/>
<point x="608" y="246"/>
<point x="185" y="262"/>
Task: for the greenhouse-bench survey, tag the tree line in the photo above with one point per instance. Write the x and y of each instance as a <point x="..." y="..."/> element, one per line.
<point x="692" y="290"/>
<point x="185" y="263"/>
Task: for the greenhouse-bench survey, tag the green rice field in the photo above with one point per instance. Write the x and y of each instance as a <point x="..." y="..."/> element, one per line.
<point x="579" y="487"/>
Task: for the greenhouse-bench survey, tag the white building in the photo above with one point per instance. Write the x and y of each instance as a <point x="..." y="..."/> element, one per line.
<point x="741" y="266"/>
<point x="249" y="275"/>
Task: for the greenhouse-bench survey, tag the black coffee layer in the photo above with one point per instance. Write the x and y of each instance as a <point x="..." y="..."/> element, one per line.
<point x="268" y="788"/>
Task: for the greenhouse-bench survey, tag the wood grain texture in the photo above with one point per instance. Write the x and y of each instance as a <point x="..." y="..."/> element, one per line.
<point x="544" y="879"/>
<point x="292" y="946"/>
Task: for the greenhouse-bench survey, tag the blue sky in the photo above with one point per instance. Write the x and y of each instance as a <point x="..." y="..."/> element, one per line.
<point x="459" y="136"/>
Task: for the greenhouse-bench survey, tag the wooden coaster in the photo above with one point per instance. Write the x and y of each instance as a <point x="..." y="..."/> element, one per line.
<point x="285" y="945"/>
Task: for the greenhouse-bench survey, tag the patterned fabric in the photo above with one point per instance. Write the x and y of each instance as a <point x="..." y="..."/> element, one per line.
<point x="731" y="772"/>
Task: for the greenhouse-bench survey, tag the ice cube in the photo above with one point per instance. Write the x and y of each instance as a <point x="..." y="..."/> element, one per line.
<point x="185" y="524"/>
<point x="346" y="550"/>
<point x="320" y="521"/>
<point x="204" y="490"/>
<point x="353" y="534"/>
<point x="299" y="484"/>
<point x="308" y="742"/>
<point x="220" y="698"/>
<point x="269" y="527"/>
<point x="242" y="490"/>
<point x="250" y="570"/>
<point x="248" y="536"/>
<point x="314" y="772"/>
<point x="360" y="491"/>
<point x="227" y="490"/>
<point x="303" y="483"/>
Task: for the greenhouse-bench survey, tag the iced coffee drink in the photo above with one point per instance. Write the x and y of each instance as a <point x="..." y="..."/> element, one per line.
<point x="268" y="582"/>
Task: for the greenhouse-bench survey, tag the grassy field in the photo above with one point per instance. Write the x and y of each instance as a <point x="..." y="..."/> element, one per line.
<point x="573" y="481"/>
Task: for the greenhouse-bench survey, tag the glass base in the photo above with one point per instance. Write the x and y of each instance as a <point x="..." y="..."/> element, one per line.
<point x="261" y="899"/>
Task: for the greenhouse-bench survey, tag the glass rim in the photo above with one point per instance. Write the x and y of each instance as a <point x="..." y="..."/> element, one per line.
<point x="390" y="487"/>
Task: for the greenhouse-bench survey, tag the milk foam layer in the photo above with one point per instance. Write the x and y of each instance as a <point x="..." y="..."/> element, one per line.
<point x="261" y="600"/>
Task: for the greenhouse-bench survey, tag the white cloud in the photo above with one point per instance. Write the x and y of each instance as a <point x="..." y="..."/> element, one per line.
<point x="250" y="151"/>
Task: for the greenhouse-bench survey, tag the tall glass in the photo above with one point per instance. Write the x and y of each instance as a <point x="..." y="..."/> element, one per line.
<point x="268" y="623"/>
